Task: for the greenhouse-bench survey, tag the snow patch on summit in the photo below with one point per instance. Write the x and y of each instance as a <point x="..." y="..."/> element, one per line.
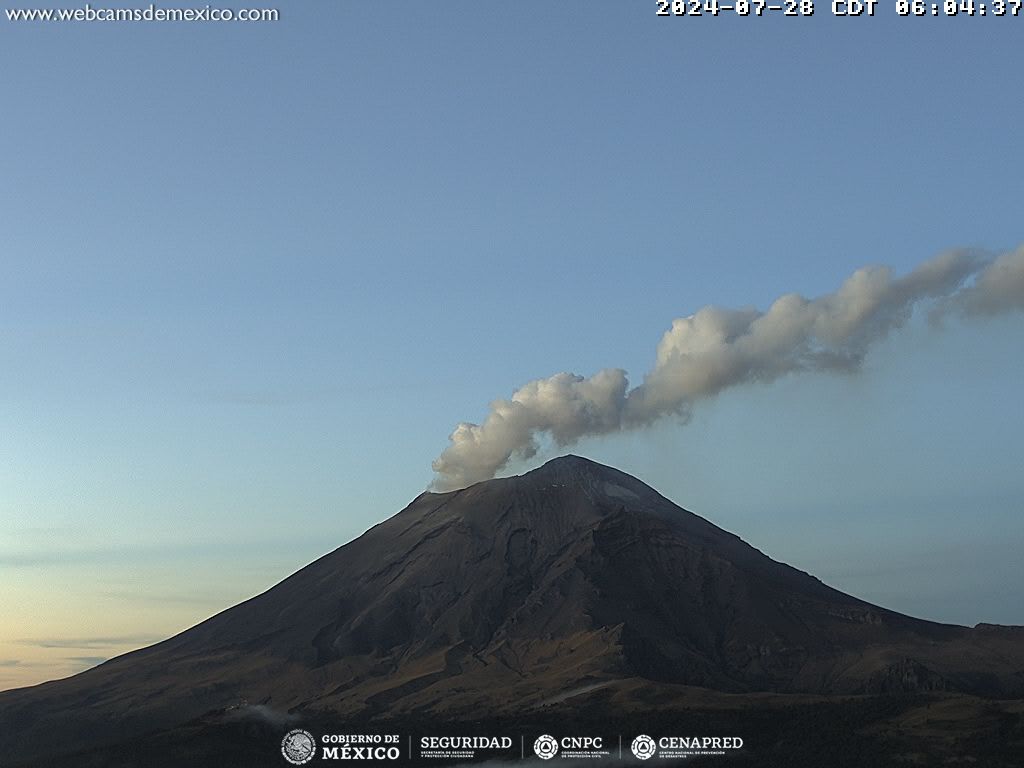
<point x="619" y="492"/>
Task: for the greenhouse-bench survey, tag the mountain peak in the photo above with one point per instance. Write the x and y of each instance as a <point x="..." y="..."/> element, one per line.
<point x="577" y="470"/>
<point x="569" y="486"/>
<point x="571" y="473"/>
<point x="572" y="464"/>
<point x="571" y="459"/>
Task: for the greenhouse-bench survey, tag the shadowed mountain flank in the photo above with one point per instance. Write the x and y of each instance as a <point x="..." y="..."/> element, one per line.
<point x="572" y="581"/>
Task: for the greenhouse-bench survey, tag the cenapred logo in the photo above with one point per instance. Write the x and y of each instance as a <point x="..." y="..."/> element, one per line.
<point x="298" y="746"/>
<point x="643" y="746"/>
<point x="545" y="747"/>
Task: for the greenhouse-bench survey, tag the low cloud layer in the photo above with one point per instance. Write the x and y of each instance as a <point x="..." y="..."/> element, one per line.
<point x="716" y="349"/>
<point x="93" y="643"/>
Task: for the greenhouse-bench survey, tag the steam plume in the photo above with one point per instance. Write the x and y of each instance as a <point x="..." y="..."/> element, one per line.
<point x="716" y="349"/>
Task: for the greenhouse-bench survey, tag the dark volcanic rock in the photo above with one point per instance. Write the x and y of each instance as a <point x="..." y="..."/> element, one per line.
<point x="508" y="596"/>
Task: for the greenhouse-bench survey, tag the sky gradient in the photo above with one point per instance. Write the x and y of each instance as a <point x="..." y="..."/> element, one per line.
<point x="253" y="275"/>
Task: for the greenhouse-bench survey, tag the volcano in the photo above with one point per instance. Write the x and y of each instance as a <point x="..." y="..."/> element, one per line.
<point x="572" y="583"/>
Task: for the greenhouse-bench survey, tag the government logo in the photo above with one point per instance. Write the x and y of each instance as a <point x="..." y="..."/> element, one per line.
<point x="298" y="747"/>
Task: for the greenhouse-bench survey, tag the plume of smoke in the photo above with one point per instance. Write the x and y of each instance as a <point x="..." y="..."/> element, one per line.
<point x="716" y="349"/>
<point x="998" y="289"/>
<point x="566" y="406"/>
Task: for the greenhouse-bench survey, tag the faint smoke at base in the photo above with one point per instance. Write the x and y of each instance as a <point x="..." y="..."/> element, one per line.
<point x="261" y="713"/>
<point x="716" y="349"/>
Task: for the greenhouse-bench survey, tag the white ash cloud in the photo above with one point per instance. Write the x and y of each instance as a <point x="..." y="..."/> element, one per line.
<point x="716" y="349"/>
<point x="565" y="406"/>
<point x="998" y="289"/>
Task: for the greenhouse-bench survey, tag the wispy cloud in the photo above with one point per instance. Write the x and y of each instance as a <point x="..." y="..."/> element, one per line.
<point x="126" y="553"/>
<point x="173" y="598"/>
<point x="56" y="557"/>
<point x="22" y="664"/>
<point x="268" y="398"/>
<point x="92" y="643"/>
<point x="86" y="662"/>
<point x="45" y="555"/>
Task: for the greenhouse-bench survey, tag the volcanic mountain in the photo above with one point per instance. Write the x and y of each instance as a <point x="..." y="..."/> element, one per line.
<point x="508" y="596"/>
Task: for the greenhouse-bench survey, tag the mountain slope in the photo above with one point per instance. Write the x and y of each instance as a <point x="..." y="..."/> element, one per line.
<point x="511" y="594"/>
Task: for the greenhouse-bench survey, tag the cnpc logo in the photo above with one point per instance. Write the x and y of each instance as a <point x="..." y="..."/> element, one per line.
<point x="547" y="746"/>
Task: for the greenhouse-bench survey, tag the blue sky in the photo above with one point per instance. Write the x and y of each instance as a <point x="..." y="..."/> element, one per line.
<point x="253" y="275"/>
